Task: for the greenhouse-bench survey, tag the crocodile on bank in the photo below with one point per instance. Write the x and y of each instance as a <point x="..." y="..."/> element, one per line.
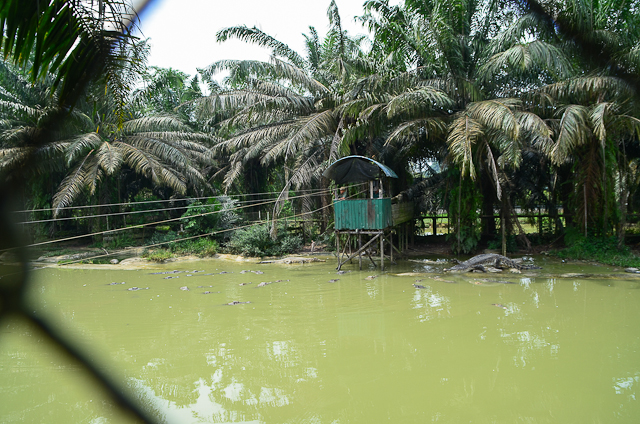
<point x="479" y="262"/>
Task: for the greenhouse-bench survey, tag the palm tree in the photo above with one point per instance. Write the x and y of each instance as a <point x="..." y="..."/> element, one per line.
<point x="101" y="136"/>
<point x="286" y="112"/>
<point x="439" y="109"/>
<point x="586" y="100"/>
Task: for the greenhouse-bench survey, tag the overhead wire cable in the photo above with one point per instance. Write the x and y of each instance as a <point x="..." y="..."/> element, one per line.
<point x="68" y="218"/>
<point x="162" y="201"/>
<point x="152" y="223"/>
<point x="206" y="234"/>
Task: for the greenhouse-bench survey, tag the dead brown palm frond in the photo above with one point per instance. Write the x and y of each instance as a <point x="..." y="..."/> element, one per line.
<point x="498" y="114"/>
<point x="573" y="131"/>
<point x="109" y="158"/>
<point x="74" y="183"/>
<point x="463" y="134"/>
<point x="493" y="167"/>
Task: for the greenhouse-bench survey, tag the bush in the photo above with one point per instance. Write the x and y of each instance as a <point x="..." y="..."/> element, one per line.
<point x="158" y="255"/>
<point x="162" y="237"/>
<point x="201" y="247"/>
<point x="601" y="249"/>
<point x="219" y="214"/>
<point x="256" y="241"/>
<point x="118" y="242"/>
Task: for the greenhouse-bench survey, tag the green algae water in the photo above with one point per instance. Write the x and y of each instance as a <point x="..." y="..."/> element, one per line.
<point x="558" y="345"/>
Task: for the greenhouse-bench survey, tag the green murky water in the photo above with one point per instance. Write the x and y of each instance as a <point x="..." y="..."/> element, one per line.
<point x="545" y="349"/>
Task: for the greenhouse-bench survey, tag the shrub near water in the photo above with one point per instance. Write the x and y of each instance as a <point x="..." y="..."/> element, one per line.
<point x="601" y="249"/>
<point x="256" y="241"/>
<point x="201" y="247"/>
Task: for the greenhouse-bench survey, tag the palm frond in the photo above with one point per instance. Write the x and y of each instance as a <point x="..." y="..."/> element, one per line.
<point x="598" y="116"/>
<point x="532" y="57"/>
<point x="109" y="158"/>
<point x="310" y="128"/>
<point x="155" y="123"/>
<point x="149" y="165"/>
<point x="411" y="131"/>
<point x="275" y="131"/>
<point x="74" y="183"/>
<point x="573" y="131"/>
<point x="498" y="114"/>
<point x="418" y="102"/>
<point x="463" y="135"/>
<point x="79" y="145"/>
<point x="258" y="37"/>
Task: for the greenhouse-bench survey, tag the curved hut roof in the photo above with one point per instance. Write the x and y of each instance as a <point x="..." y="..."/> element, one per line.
<point x="357" y="169"/>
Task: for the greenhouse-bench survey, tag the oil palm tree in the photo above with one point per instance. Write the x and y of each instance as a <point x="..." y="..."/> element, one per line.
<point x="285" y="113"/>
<point x="587" y="100"/>
<point x="101" y="136"/>
<point x="438" y="108"/>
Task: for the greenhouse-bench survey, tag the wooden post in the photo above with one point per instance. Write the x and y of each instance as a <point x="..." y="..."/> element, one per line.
<point x="585" y="210"/>
<point x="391" y="246"/>
<point x="504" y="235"/>
<point x="370" y="189"/>
<point x="413" y="235"/>
<point x="540" y="221"/>
<point x="338" y="245"/>
<point x="382" y="252"/>
<point x="360" y="249"/>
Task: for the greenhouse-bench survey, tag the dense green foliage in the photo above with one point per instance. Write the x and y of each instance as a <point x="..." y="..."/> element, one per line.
<point x="600" y="249"/>
<point x="481" y="107"/>
<point x="257" y="241"/>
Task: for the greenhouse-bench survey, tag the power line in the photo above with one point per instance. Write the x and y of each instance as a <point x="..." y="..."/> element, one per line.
<point x="147" y="211"/>
<point x="151" y="223"/>
<point x="162" y="201"/>
<point x="203" y="235"/>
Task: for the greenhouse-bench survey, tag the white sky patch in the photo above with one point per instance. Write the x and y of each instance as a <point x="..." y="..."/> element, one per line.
<point x="183" y="32"/>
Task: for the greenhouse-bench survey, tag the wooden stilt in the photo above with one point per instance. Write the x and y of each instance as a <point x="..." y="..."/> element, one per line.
<point x="381" y="252"/>
<point x="360" y="250"/>
<point x="391" y="246"/>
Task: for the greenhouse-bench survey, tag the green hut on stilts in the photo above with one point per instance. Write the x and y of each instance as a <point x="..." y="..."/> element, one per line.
<point x="363" y="207"/>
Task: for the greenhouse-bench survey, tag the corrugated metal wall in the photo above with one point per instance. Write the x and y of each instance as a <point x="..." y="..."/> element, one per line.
<point x="362" y="214"/>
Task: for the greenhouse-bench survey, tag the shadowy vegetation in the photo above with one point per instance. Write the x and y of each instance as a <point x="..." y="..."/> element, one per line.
<point x="257" y="241"/>
<point x="600" y="249"/>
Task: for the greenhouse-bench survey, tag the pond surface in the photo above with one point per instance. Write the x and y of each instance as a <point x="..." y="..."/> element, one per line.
<point x="552" y="347"/>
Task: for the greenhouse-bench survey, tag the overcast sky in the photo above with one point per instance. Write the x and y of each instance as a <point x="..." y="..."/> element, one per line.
<point x="182" y="32"/>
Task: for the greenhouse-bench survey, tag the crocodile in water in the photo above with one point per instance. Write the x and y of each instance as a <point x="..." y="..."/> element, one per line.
<point x="494" y="260"/>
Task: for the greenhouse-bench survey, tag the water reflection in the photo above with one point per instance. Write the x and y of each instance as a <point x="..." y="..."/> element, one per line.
<point x="362" y="351"/>
<point x="430" y="304"/>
